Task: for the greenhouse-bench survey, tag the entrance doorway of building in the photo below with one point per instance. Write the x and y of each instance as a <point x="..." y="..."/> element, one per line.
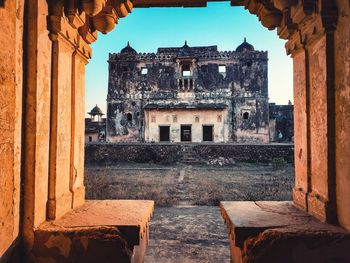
<point x="164" y="133"/>
<point x="186" y="133"/>
<point x="207" y="133"/>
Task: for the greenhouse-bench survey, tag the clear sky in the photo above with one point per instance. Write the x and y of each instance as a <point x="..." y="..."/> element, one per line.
<point x="218" y="24"/>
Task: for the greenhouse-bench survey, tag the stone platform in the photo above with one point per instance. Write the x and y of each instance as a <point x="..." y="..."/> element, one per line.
<point x="98" y="231"/>
<point x="279" y="232"/>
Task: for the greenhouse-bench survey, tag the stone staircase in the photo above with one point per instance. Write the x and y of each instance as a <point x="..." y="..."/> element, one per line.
<point x="189" y="156"/>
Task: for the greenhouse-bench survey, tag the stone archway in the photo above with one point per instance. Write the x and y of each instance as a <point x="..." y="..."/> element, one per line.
<point x="310" y="28"/>
<point x="56" y="39"/>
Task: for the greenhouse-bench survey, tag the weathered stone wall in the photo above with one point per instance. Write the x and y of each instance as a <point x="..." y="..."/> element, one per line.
<point x="11" y="21"/>
<point x="174" y="118"/>
<point x="342" y="122"/>
<point x="109" y="154"/>
<point x="237" y="79"/>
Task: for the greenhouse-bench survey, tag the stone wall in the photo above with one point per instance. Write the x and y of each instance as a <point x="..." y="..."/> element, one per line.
<point x="109" y="154"/>
<point x="11" y="20"/>
<point x="188" y="78"/>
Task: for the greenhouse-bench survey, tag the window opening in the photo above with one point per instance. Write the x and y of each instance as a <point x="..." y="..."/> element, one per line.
<point x="129" y="117"/>
<point x="246" y="115"/>
<point x="186" y="70"/>
<point x="222" y="69"/>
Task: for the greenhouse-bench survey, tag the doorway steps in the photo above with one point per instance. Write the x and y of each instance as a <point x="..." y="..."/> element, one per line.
<point x="189" y="156"/>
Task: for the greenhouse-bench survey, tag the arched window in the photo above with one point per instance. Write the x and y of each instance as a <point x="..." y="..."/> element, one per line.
<point x="246" y="115"/>
<point x="129" y="117"/>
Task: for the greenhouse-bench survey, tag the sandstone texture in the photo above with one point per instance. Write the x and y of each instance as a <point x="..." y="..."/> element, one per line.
<point x="279" y="232"/>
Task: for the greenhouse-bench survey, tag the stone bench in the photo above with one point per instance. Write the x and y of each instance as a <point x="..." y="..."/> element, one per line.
<point x="98" y="231"/>
<point x="279" y="232"/>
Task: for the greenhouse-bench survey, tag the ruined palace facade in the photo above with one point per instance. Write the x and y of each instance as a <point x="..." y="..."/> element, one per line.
<point x="188" y="94"/>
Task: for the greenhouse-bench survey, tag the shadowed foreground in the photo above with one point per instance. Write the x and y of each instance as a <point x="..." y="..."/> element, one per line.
<point x="188" y="234"/>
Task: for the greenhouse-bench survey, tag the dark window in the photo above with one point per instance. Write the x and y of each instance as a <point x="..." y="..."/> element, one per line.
<point x="186" y="70"/>
<point x="180" y="83"/>
<point x="186" y="83"/>
<point x="191" y="83"/>
<point x="246" y="115"/>
<point x="164" y="133"/>
<point x="249" y="64"/>
<point x="207" y="133"/>
<point x="125" y="69"/>
<point x="186" y="133"/>
<point x="129" y="117"/>
<point x="90" y="139"/>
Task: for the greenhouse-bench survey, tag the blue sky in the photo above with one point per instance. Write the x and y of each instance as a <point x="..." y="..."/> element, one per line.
<point x="218" y="24"/>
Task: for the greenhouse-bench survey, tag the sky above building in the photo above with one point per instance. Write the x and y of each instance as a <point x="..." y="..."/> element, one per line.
<point x="218" y="24"/>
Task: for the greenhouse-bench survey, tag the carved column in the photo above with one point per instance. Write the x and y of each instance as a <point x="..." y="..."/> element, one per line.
<point x="73" y="27"/>
<point x="312" y="48"/>
<point x="309" y="26"/>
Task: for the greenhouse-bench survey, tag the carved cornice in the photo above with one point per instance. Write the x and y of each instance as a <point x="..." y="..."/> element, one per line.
<point x="77" y="21"/>
<point x="298" y="21"/>
<point x="313" y="18"/>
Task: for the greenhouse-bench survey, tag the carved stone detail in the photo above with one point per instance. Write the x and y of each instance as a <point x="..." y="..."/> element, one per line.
<point x="77" y="21"/>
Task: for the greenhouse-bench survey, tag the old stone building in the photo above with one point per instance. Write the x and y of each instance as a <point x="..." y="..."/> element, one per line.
<point x="95" y="126"/>
<point x="281" y="121"/>
<point x="188" y="94"/>
<point x="44" y="216"/>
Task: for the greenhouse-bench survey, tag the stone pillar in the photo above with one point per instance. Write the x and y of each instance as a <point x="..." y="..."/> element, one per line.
<point x="318" y="40"/>
<point x="72" y="27"/>
<point x="36" y="124"/>
<point x="301" y="112"/>
<point x="60" y="196"/>
<point x="313" y="50"/>
<point x="70" y="53"/>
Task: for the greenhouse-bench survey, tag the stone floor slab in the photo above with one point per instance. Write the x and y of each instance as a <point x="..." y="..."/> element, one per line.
<point x="187" y="234"/>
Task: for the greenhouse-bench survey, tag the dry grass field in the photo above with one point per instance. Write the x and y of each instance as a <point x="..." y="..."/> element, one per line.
<point x="190" y="185"/>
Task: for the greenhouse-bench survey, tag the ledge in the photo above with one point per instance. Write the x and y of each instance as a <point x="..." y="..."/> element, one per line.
<point x="273" y="231"/>
<point x="113" y="229"/>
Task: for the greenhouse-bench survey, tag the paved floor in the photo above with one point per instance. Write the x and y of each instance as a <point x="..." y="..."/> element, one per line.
<point x="188" y="234"/>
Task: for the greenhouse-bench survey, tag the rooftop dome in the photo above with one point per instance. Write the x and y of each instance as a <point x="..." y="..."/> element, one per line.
<point x="96" y="111"/>
<point x="245" y="46"/>
<point x="128" y="49"/>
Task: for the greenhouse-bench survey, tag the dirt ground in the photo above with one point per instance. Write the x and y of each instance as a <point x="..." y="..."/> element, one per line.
<point x="190" y="185"/>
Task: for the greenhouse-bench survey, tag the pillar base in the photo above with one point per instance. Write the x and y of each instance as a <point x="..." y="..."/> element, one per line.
<point x="98" y="231"/>
<point x="279" y="232"/>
